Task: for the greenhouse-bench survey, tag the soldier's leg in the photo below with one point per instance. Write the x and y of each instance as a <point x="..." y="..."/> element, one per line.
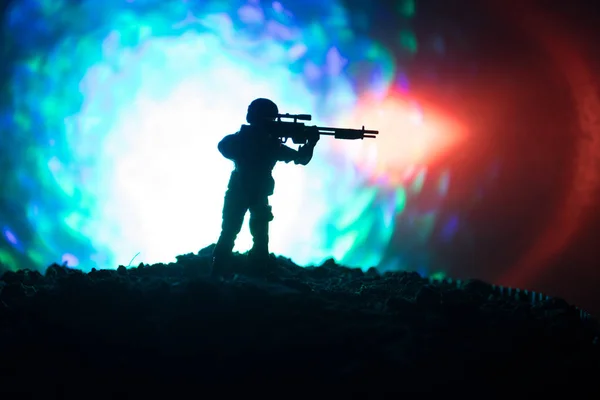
<point x="234" y="210"/>
<point x="260" y="217"/>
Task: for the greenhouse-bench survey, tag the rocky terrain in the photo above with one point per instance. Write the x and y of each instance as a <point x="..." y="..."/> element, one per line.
<point x="137" y="330"/>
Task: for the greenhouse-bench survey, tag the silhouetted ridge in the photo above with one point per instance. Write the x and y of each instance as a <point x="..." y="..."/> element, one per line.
<point x="173" y="325"/>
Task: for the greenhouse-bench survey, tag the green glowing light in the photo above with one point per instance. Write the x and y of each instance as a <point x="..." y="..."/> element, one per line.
<point x="438" y="276"/>
<point x="8" y="260"/>
<point x="358" y="206"/>
<point x="408" y="41"/>
<point x="400" y="199"/>
<point x="417" y="184"/>
<point x="407" y="8"/>
<point x="425" y="225"/>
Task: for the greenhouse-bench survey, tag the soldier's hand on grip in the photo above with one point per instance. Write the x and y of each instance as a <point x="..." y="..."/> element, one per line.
<point x="313" y="135"/>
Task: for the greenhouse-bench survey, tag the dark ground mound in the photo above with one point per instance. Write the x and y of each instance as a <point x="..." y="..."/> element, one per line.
<point x="171" y="325"/>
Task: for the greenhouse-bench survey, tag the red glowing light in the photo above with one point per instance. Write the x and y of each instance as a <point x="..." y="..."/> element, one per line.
<point x="410" y="134"/>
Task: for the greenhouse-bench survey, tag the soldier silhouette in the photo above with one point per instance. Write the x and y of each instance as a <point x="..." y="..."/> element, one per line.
<point x="254" y="150"/>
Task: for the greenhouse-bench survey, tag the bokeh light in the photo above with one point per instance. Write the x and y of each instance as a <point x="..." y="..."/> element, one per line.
<point x="117" y="107"/>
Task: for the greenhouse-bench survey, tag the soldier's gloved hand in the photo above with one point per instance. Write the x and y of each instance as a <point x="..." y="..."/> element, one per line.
<point x="313" y="135"/>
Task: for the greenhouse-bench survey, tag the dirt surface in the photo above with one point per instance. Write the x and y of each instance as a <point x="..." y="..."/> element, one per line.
<point x="137" y="329"/>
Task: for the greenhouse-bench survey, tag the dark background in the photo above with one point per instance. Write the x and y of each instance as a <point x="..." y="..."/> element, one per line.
<point x="537" y="136"/>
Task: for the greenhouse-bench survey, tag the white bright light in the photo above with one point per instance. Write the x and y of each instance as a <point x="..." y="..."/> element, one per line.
<point x="164" y="177"/>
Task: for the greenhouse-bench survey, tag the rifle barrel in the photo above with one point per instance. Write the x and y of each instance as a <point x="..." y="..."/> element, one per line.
<point x="348" y="134"/>
<point x="333" y="131"/>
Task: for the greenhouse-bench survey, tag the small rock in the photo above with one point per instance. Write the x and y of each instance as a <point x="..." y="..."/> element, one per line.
<point x="355" y="273"/>
<point x="329" y="263"/>
<point x="103" y="273"/>
<point x="428" y="296"/>
<point x="10" y="277"/>
<point x="412" y="276"/>
<point x="207" y="251"/>
<point x="31" y="277"/>
<point x="478" y="288"/>
<point x="55" y="271"/>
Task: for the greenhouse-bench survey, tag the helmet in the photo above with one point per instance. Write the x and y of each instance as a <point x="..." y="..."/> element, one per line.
<point x="261" y="109"/>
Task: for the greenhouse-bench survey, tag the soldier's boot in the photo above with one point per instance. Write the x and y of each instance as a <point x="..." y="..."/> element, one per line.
<point x="233" y="218"/>
<point x="222" y="256"/>
<point x="259" y="256"/>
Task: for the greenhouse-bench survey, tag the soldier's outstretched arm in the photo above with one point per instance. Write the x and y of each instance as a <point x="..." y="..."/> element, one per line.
<point x="301" y="156"/>
<point x="230" y="147"/>
<point x="305" y="154"/>
<point x="286" y="154"/>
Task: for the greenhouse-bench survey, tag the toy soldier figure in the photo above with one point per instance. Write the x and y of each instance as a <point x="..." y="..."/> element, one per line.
<point x="255" y="150"/>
